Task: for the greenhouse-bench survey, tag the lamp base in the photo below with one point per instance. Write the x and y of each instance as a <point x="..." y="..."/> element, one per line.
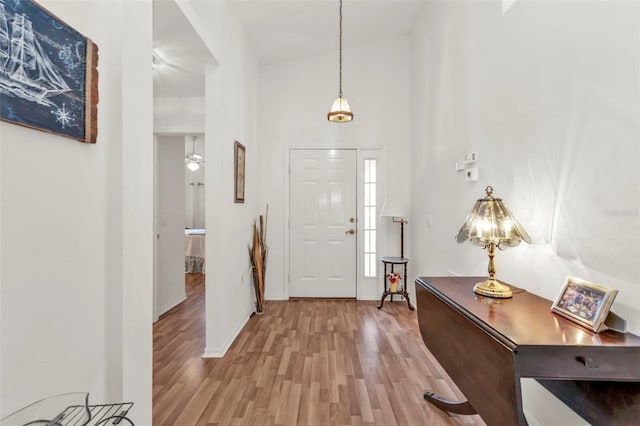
<point x="492" y="288"/>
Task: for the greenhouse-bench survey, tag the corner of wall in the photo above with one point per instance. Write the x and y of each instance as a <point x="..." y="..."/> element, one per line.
<point x="220" y="352"/>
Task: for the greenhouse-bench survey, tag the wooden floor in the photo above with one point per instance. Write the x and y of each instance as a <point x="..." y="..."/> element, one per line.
<point x="302" y="362"/>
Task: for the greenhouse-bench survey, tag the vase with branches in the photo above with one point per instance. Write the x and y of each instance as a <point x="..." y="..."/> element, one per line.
<point x="258" y="257"/>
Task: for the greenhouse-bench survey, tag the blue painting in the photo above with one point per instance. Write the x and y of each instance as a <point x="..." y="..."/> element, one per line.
<point x="48" y="75"/>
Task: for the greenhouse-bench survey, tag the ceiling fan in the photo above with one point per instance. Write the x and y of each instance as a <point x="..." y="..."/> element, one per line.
<point x="193" y="159"/>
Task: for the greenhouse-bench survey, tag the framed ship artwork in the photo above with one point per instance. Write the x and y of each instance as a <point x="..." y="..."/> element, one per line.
<point x="48" y="73"/>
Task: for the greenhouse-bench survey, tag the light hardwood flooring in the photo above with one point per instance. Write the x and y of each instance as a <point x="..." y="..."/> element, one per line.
<point x="302" y="362"/>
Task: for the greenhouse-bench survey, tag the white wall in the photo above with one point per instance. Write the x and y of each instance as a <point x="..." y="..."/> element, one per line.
<point x="53" y="266"/>
<point x="294" y="100"/>
<point x="230" y="114"/>
<point x="178" y="115"/>
<point x="548" y="96"/>
<point x="169" y="279"/>
<point x="75" y="242"/>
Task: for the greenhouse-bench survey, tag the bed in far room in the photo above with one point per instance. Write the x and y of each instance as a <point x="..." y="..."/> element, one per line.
<point x="194" y="251"/>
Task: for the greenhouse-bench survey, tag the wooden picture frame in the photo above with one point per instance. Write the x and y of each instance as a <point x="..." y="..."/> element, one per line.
<point x="48" y="73"/>
<point x="584" y="303"/>
<point x="239" y="164"/>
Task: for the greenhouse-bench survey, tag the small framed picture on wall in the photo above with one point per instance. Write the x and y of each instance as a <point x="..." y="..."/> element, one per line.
<point x="239" y="168"/>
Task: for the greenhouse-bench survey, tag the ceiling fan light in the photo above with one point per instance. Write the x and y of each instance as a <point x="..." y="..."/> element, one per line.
<point x="193" y="159"/>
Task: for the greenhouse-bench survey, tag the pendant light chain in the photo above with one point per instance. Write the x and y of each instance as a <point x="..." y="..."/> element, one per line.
<point x="340" y="93"/>
<point x="340" y="111"/>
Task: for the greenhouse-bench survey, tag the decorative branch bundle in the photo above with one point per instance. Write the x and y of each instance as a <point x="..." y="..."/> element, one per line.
<point x="258" y="256"/>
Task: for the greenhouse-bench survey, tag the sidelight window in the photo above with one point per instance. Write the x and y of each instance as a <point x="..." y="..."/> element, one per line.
<point x="370" y="217"/>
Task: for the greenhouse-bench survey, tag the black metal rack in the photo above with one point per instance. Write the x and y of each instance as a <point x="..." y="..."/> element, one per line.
<point x="71" y="409"/>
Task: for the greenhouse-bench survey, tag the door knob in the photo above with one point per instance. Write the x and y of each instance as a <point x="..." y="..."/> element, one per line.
<point x="350" y="231"/>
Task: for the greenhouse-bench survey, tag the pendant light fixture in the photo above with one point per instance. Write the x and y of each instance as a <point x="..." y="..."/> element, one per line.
<point x="340" y="111"/>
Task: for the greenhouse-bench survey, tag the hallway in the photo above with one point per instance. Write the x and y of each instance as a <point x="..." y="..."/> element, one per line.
<point x="302" y="362"/>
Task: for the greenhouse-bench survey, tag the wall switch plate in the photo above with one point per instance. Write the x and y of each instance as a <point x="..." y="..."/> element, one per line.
<point x="472" y="174"/>
<point x="471" y="157"/>
<point x="460" y="166"/>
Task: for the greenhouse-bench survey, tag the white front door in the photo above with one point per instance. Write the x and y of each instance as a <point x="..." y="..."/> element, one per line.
<point x="323" y="222"/>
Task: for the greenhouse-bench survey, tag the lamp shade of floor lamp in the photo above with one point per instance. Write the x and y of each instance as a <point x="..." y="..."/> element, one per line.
<point x="394" y="209"/>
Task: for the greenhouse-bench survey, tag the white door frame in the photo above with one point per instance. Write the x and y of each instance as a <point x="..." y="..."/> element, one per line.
<point x="361" y="153"/>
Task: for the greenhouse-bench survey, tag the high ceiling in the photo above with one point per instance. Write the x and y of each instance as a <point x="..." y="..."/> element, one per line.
<point x="182" y="51"/>
<point x="280" y="30"/>
<point x="283" y="30"/>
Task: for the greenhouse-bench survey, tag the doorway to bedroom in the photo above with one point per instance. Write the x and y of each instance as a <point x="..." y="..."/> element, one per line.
<point x="179" y="210"/>
<point x="194" y="205"/>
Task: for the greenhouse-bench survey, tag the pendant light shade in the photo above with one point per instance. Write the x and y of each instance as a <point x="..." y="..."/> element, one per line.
<point x="340" y="111"/>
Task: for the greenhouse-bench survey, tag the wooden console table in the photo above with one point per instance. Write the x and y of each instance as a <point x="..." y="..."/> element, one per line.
<point x="486" y="345"/>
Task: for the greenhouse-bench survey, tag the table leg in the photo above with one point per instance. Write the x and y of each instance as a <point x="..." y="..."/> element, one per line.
<point x="382" y="299"/>
<point x="406" y="296"/>
<point x="384" y="290"/>
<point x="456" y="407"/>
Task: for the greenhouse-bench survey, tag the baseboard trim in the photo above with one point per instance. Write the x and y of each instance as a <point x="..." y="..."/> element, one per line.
<point x="171" y="304"/>
<point x="368" y="298"/>
<point x="213" y="353"/>
<point x="220" y="352"/>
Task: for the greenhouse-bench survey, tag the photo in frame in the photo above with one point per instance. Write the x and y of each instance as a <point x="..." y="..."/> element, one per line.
<point x="48" y="73"/>
<point x="584" y="303"/>
<point x="239" y="170"/>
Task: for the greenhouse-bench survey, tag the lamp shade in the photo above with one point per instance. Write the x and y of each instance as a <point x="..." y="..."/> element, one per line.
<point x="392" y="207"/>
<point x="491" y="222"/>
<point x="340" y="111"/>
